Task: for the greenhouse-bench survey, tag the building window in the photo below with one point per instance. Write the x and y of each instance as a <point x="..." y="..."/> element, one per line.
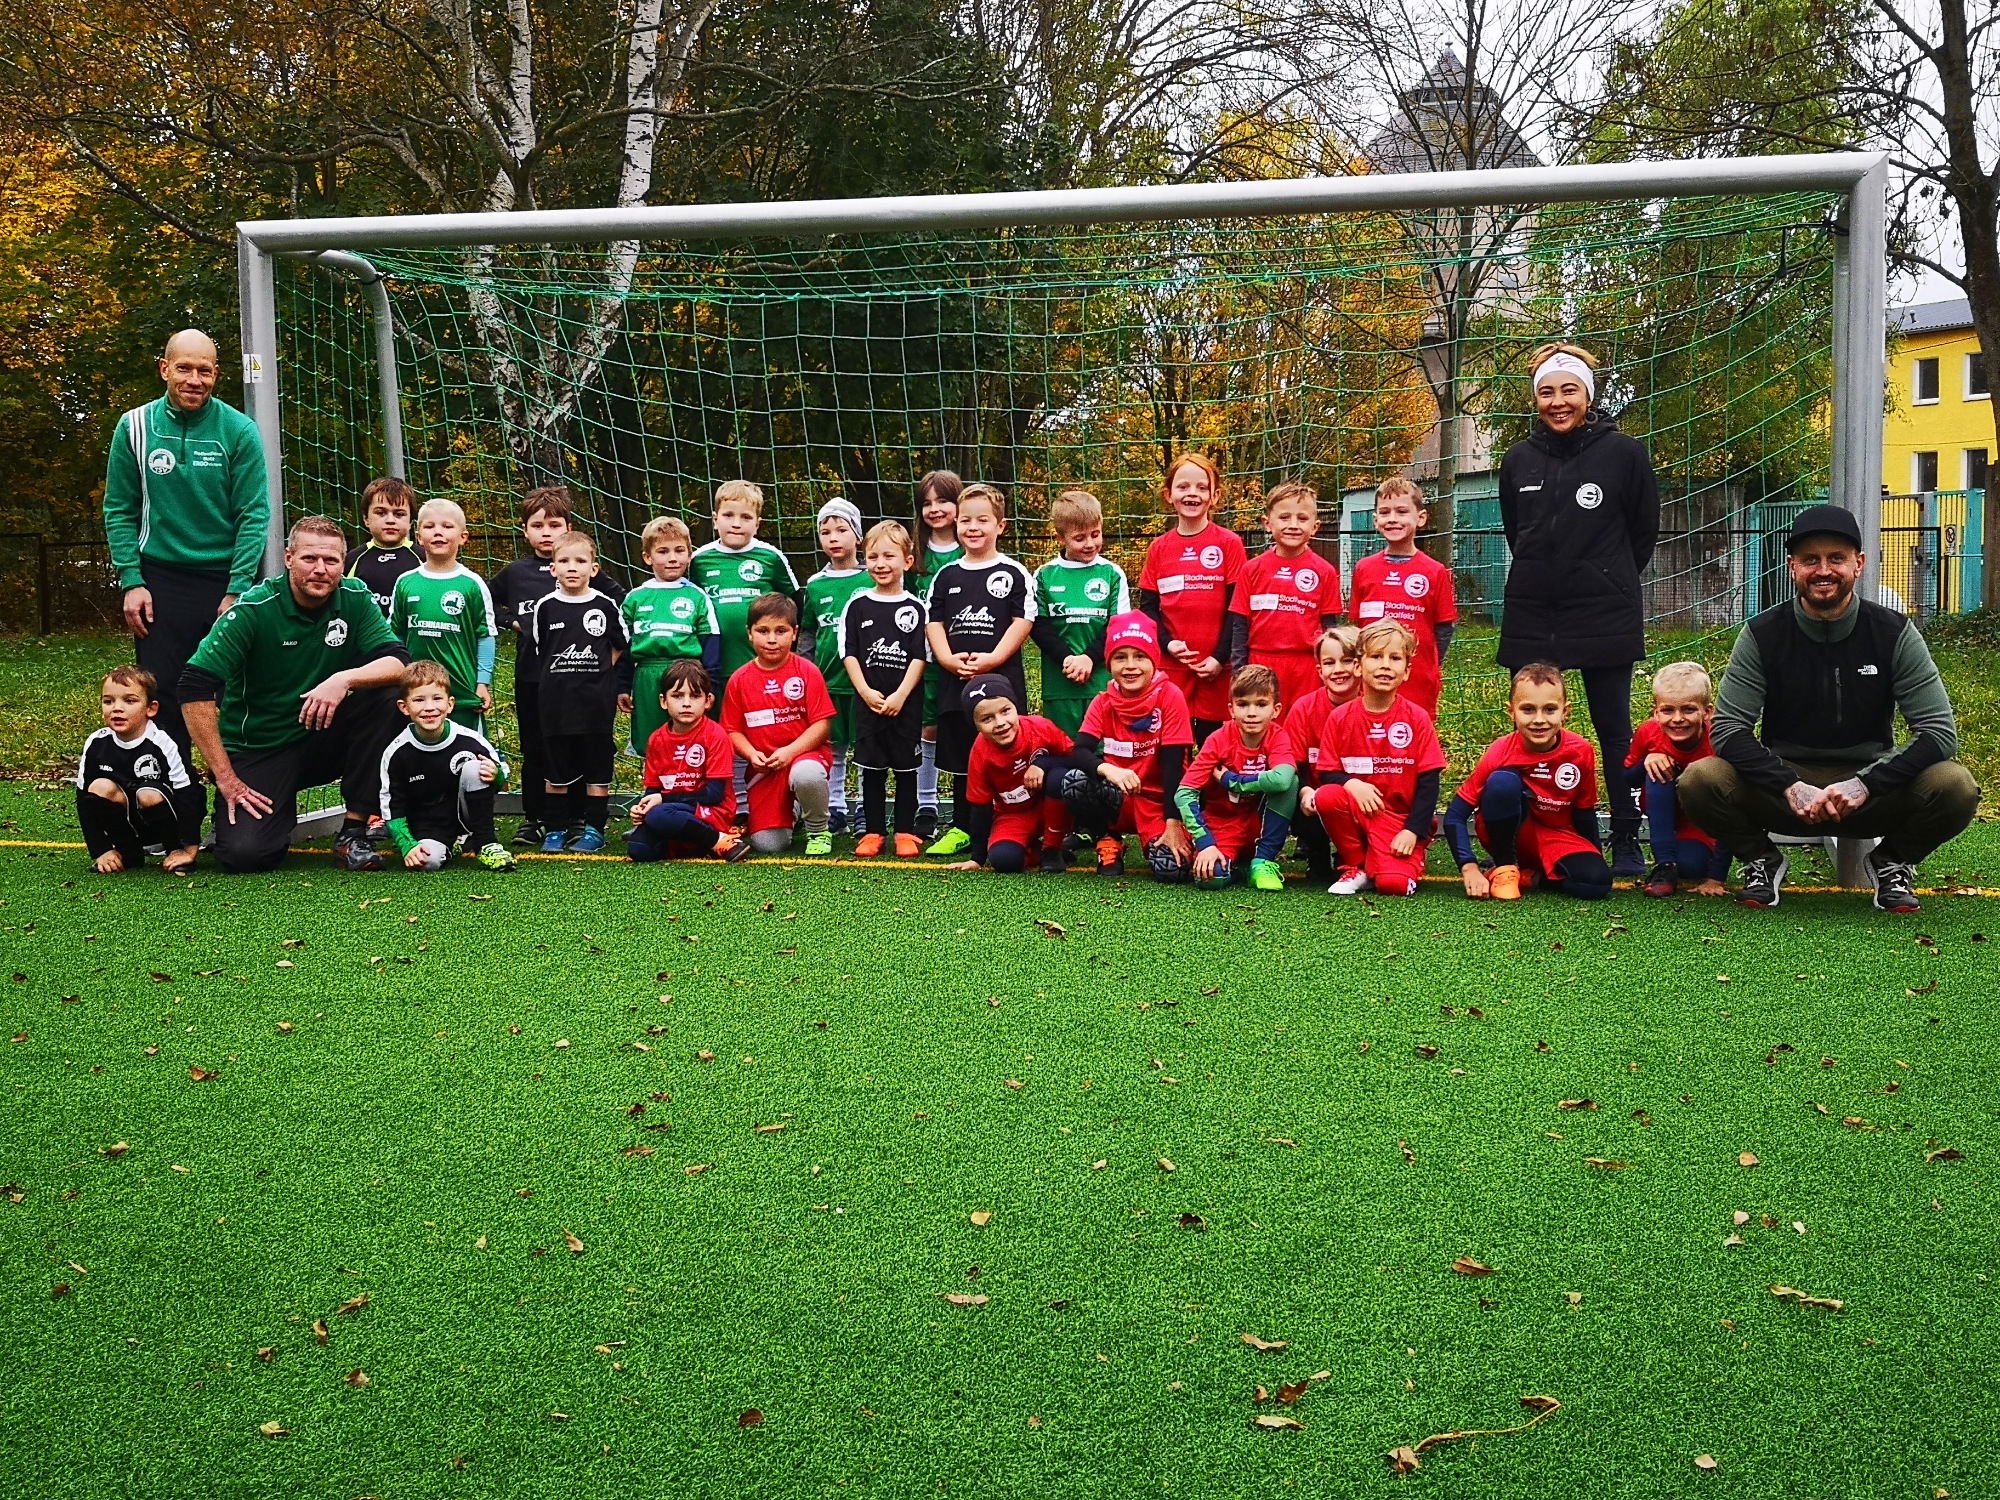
<point x="1976" y="387"/>
<point x="1975" y="468"/>
<point x="1923" y="472"/>
<point x="1924" y="382"/>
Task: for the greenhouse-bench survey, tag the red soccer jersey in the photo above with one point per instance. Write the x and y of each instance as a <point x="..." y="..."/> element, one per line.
<point x="1419" y="592"/>
<point x="773" y="708"/>
<point x="1650" y="738"/>
<point x="995" y="775"/>
<point x="1305" y="722"/>
<point x="1192" y="575"/>
<point x="677" y="762"/>
<point x="1235" y="818"/>
<point x="1283" y="599"/>
<point x="1132" y="729"/>
<point x="1563" y="779"/>
<point x="1389" y="750"/>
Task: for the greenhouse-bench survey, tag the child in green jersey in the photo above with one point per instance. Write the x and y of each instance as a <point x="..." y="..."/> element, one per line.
<point x="1078" y="592"/>
<point x="827" y="593"/>
<point x="670" y="619"/>
<point x="937" y="544"/>
<point x="444" y="613"/>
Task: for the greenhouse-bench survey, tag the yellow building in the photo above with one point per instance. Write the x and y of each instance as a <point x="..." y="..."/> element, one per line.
<point x="1937" y="444"/>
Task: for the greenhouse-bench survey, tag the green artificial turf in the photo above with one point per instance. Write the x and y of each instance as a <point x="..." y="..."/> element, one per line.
<point x="422" y="1134"/>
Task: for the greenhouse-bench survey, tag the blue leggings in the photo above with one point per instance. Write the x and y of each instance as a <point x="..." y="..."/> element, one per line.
<point x="666" y="825"/>
<point x="1697" y="861"/>
<point x="1503" y="804"/>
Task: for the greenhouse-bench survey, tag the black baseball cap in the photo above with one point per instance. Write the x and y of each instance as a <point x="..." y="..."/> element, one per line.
<point x="1824" y="520"/>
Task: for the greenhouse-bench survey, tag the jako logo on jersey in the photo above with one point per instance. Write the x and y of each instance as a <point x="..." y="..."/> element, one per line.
<point x="906" y="618"/>
<point x="1400" y="735"/>
<point x="1000" y="583"/>
<point x="695" y="757"/>
<point x="1307" y="581"/>
<point x="336" y="632"/>
<point x="146" y="768"/>
<point x="1211" y="556"/>
<point x="593" y="622"/>
<point x="452" y="603"/>
<point x="1567" y="777"/>
<point x="160" y="461"/>
<point x="1416" y="585"/>
<point x="795" y="688"/>
<point x="750" y="570"/>
<point x="1589" y="496"/>
<point x="1097" y="590"/>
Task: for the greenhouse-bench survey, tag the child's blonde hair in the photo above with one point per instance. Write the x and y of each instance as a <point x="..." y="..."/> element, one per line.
<point x="1075" y="510"/>
<point x="1396" y="487"/>
<point x="987" y="492"/>
<point x="890" y="531"/>
<point x="571" y="540"/>
<point x="447" y="508"/>
<point x="1383" y="631"/>
<point x="1345" y="637"/>
<point x="1291" y="489"/>
<point x="664" y="526"/>
<point x="1683" y="679"/>
<point x="425" y="673"/>
<point x="740" y="492"/>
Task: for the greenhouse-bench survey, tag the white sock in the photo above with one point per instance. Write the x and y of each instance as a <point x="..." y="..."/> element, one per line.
<point x="837" y="783"/>
<point x="927" y="776"/>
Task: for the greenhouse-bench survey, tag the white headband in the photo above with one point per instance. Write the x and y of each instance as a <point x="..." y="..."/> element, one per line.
<point x="1567" y="364"/>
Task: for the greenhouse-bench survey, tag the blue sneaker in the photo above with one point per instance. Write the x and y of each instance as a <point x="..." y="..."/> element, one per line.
<point x="553" y="842"/>
<point x="590" y="841"/>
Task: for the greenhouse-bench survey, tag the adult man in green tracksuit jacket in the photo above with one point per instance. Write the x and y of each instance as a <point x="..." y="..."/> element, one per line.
<point x="187" y="509"/>
<point x="1827" y="673"/>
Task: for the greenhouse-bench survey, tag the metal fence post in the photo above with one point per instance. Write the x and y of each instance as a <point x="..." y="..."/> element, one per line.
<point x="45" y="605"/>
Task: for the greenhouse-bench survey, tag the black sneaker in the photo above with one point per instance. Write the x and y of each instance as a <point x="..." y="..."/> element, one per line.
<point x="1895" y="885"/>
<point x="836" y="820"/>
<point x="1627" y="863"/>
<point x="1764" y="880"/>
<point x="530" y="834"/>
<point x="355" y="850"/>
<point x="927" y="823"/>
<point x="1664" y="881"/>
<point x="1054" y="861"/>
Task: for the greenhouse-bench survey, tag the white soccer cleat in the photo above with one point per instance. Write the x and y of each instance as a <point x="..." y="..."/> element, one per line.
<point x="1352" y="882"/>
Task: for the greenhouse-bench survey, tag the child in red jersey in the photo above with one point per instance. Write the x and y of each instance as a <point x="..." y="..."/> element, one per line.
<point x="1663" y="747"/>
<point x="1289" y="595"/>
<point x="1402" y="584"/>
<point x="1337" y="656"/>
<point x="1188" y="586"/>
<point x="1379" y="766"/>
<point x="690" y="800"/>
<point x="780" y="717"/>
<point x="1238" y="797"/>
<point x="1133" y="745"/>
<point x="1012" y="774"/>
<point x="1533" y="799"/>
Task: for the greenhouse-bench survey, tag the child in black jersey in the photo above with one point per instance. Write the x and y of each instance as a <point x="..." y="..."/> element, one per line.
<point x="579" y="636"/>
<point x="387" y="506"/>
<point x="132" y="788"/>
<point x="883" y="652"/>
<point x="439" y="779"/>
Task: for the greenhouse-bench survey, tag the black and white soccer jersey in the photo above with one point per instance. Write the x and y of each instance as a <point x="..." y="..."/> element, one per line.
<point x="379" y="567"/>
<point x="424" y="784"/>
<point x="151" y="760"/>
<point x="577" y="640"/>
<point x="976" y="602"/>
<point x="884" y="633"/>
<point x="517" y="589"/>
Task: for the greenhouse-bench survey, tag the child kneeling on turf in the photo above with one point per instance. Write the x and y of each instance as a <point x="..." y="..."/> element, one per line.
<point x="1238" y="797"/>
<point x="1134" y="744"/>
<point x="1663" y="747"/>
<point x="780" y="717"/>
<point x="1379" y="767"/>
<point x="690" y="799"/>
<point x="132" y="787"/>
<point x="1012" y="773"/>
<point x="439" y="778"/>
<point x="1533" y="800"/>
<point x="1337" y="654"/>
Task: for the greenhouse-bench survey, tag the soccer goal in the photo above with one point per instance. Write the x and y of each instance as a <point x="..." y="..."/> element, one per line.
<point x="1315" y="328"/>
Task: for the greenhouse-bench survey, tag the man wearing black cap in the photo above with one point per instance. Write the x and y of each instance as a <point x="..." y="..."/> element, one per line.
<point x="1827" y="674"/>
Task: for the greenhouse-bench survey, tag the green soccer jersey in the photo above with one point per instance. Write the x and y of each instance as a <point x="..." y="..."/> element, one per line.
<point x="667" y="620"/>
<point x="732" y="577"/>
<point x="827" y="593"/>
<point x="443" y="617"/>
<point x="930" y="557"/>
<point x="268" y="651"/>
<point x="1079" y="599"/>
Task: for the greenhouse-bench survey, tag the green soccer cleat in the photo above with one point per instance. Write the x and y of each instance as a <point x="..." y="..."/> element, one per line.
<point x="1266" y="876"/>
<point x="819" y="845"/>
<point x="951" y="841"/>
<point x="496" y="857"/>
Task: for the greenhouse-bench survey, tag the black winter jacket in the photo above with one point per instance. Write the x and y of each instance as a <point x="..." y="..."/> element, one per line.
<point x="1582" y="514"/>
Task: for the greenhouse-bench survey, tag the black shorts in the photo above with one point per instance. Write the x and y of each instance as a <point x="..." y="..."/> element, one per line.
<point x="888" y="743"/>
<point x="577" y="759"/>
<point x="955" y="735"/>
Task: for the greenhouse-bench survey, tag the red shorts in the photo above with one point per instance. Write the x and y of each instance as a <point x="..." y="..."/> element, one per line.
<point x="1207" y="697"/>
<point x="771" y="793"/>
<point x="1032" y="825"/>
<point x="1298" y="674"/>
<point x="1363" y="842"/>
<point x="1542" y="846"/>
<point x="1144" y="814"/>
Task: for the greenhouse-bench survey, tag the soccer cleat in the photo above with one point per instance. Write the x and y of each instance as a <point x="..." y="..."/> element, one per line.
<point x="1895" y="884"/>
<point x="1350" y="882"/>
<point x="951" y="841"/>
<point x="553" y="840"/>
<point x="836" y="821"/>
<point x="1664" y="880"/>
<point x="1054" y="861"/>
<point x="1266" y="876"/>
<point x="355" y="849"/>
<point x="529" y="835"/>
<point x="728" y="846"/>
<point x="819" y="845"/>
<point x="494" y="856"/>
<point x="927" y="822"/>
<point x="1626" y="861"/>
<point x="908" y="846"/>
<point x="1503" y="882"/>
<point x="1764" y="880"/>
<point x="1110" y="856"/>
<point x="590" y="841"/>
<point x="869" y="846"/>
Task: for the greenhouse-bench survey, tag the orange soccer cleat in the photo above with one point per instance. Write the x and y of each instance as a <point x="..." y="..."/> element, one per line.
<point x="732" y="847"/>
<point x="869" y="846"/>
<point x="1504" y="882"/>
<point x="908" y="846"/>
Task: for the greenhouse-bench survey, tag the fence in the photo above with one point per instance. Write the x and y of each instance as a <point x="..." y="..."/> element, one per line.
<point x="47" y="586"/>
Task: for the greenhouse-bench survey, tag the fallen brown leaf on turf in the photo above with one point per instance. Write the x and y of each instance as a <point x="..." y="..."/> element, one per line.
<point x="1261" y="1397"/>
<point x="116" y="1148"/>
<point x="1193" y="1221"/>
<point x="1606" y="1163"/>
<point x="751" y="1418"/>
<point x="1211" y="989"/>
<point x="1945" y="1153"/>
<point x="201" y="1075"/>
<point x="1405" y="1460"/>
<point x="1271" y="1421"/>
<point x="1053" y="929"/>
<point x="1167" y="1166"/>
<point x="319" y="1330"/>
<point x="356" y="1378"/>
<point x="1099" y="1165"/>
<point x="982" y="1217"/>
<point x="1465" y="1265"/>
<point x="1264" y="1346"/>
<point x="1576" y="1104"/>
<point x="1706" y="1463"/>
<point x="1288" y="1395"/>
<point x="351" y="1306"/>
<point x="1733" y="1242"/>
<point x="264" y="1354"/>
<point x="1541" y="1046"/>
<point x="575" y="1244"/>
<point x="1792" y="1294"/>
<point x="274" y="1429"/>
<point x="697" y="1169"/>
<point x="1013" y="1083"/>
<point x="60" y="1289"/>
<point x="637" y="1151"/>
<point x="1425" y="1050"/>
<point x="704" y="1056"/>
<point x="769" y="1129"/>
<point x="1408" y="1155"/>
<point x="1746" y="1159"/>
<point x="967" y="1299"/>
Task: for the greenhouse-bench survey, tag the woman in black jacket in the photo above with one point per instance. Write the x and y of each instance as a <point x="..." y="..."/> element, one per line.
<point x="1581" y="508"/>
